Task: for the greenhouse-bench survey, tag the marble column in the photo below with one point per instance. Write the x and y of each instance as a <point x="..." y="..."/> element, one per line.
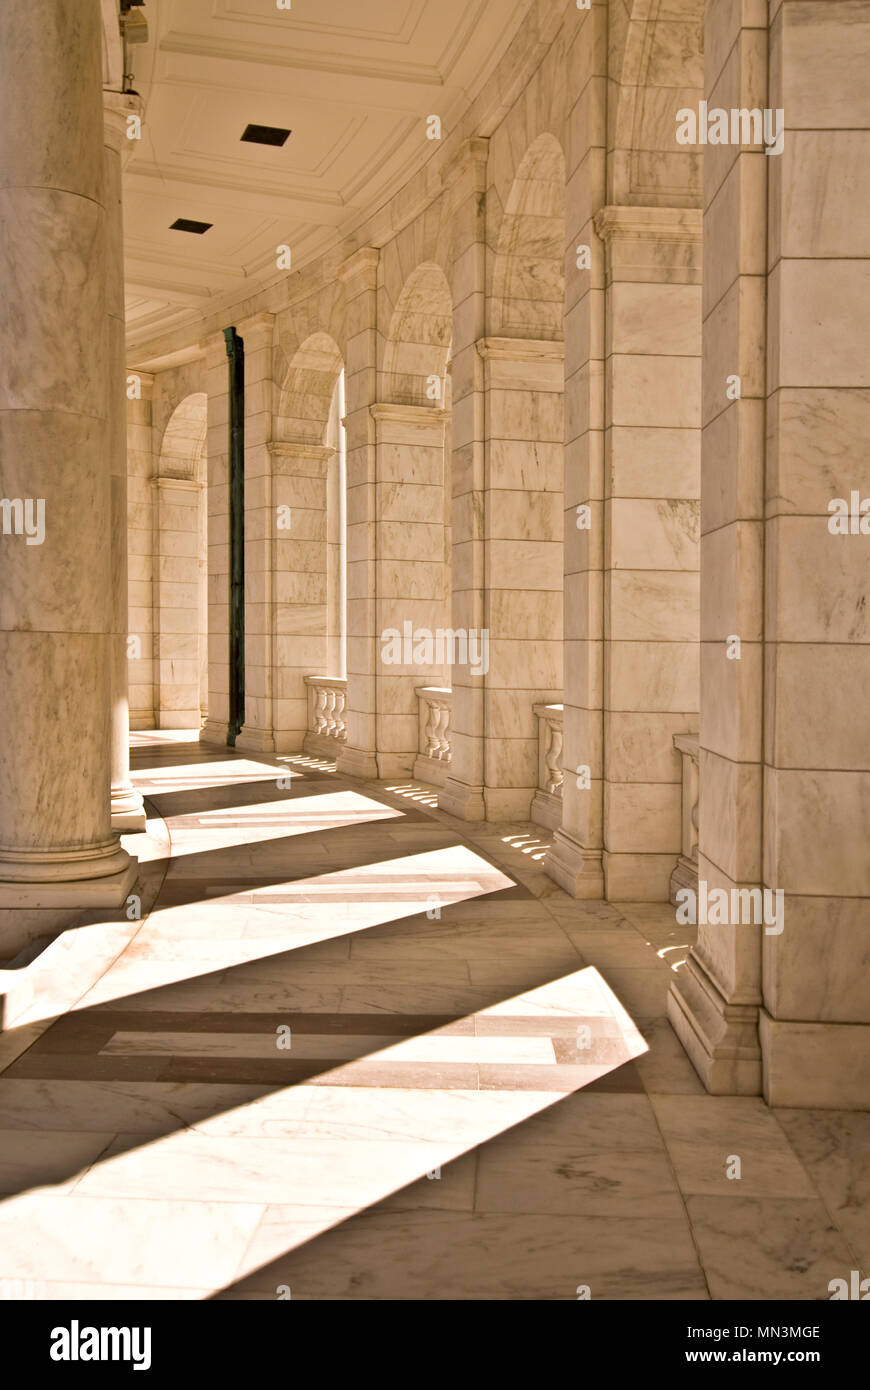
<point x="575" y="860"/>
<point x="713" y="1005"/>
<point x="298" y="583"/>
<point x="58" y="852"/>
<point x="216" y="726"/>
<point x="522" y="518"/>
<point x="652" y="472"/>
<point x="128" y="813"/>
<point x="411" y="578"/>
<point x="336" y="533"/>
<point x="814" y="1019"/>
<point x="141" y="545"/>
<point x="784" y="764"/>
<point x="360" y="276"/>
<point x="177" y="598"/>
<point x="465" y="185"/>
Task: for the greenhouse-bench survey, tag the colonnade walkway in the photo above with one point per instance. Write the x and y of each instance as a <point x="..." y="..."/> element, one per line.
<point x="356" y="1049"/>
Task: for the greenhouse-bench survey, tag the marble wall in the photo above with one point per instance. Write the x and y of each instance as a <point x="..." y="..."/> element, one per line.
<point x="540" y="337"/>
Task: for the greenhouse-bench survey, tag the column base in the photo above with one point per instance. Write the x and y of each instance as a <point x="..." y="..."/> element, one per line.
<point x="462" y="801"/>
<point x="577" y="870"/>
<point x="685" y="875"/>
<point x="356" y="762"/>
<point x="320" y="746"/>
<point x="395" y="765"/>
<point x="178" y="719"/>
<point x="430" y="770"/>
<point x="637" y="878"/>
<point x="823" y="1066"/>
<point x="128" y="810"/>
<point x="546" y="810"/>
<point x="108" y="891"/>
<point x="507" y="803"/>
<point x="214" y="731"/>
<point x="254" y="740"/>
<point x="32" y="910"/>
<point x="721" y="1039"/>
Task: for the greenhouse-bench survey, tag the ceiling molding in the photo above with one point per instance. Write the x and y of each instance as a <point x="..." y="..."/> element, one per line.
<point x="231" y="51"/>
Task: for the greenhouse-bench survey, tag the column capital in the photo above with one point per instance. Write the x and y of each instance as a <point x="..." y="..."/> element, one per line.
<point x="168" y="480"/>
<point x="614" y="221"/>
<point x="408" y="414"/>
<point x="290" y="457"/>
<point x="521" y="349"/>
<point x="651" y="244"/>
<point x="522" y="364"/>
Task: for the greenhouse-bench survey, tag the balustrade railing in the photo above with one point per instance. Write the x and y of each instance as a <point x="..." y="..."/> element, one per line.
<point x="327" y="696"/>
<point x="433" y="758"/>
<point x="547" y="802"/>
<point x="685" y="873"/>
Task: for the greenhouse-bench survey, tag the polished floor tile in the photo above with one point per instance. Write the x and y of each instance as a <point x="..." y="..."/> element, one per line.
<point x="360" y="1050"/>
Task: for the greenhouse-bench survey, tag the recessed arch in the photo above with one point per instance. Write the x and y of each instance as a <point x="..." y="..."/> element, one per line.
<point x="419" y="339"/>
<point x="182" y="449"/>
<point x="645" y="165"/>
<point x="180" y="593"/>
<point x="528" y="280"/>
<point x="306" y="397"/>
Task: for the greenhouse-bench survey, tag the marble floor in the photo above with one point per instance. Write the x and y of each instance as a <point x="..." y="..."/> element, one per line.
<point x="351" y="1048"/>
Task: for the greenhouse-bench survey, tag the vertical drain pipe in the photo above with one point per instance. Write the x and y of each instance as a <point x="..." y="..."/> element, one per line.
<point x="236" y="354"/>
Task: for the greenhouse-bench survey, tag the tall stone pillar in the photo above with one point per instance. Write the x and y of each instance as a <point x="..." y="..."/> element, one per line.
<point x="651" y="523"/>
<point x="298" y="645"/>
<point x="216" y="726"/>
<point x="814" y="1020"/>
<point x="713" y="1005"/>
<point x="58" y="852"/>
<point x="465" y="182"/>
<point x="141" y="563"/>
<point x="575" y="860"/>
<point x="522" y="525"/>
<point x="410" y="573"/>
<point x="360" y="276"/>
<point x="782" y="1006"/>
<point x="128" y="813"/>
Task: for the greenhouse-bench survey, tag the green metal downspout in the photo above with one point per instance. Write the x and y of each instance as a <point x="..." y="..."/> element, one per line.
<point x="236" y="354"/>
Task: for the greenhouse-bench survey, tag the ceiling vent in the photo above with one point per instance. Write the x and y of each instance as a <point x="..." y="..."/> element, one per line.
<point x="184" y="224"/>
<point x="265" y="135"/>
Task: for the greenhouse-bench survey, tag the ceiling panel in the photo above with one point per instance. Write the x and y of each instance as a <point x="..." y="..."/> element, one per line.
<point x="354" y="80"/>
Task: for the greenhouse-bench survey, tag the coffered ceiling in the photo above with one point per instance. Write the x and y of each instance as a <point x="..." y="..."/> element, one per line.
<point x="353" y="80"/>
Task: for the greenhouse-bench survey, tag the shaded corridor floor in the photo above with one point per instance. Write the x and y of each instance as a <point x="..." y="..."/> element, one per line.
<point x="357" y="1049"/>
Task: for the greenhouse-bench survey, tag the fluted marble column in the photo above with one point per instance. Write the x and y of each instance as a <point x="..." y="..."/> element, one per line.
<point x="128" y="813"/>
<point x="57" y="849"/>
